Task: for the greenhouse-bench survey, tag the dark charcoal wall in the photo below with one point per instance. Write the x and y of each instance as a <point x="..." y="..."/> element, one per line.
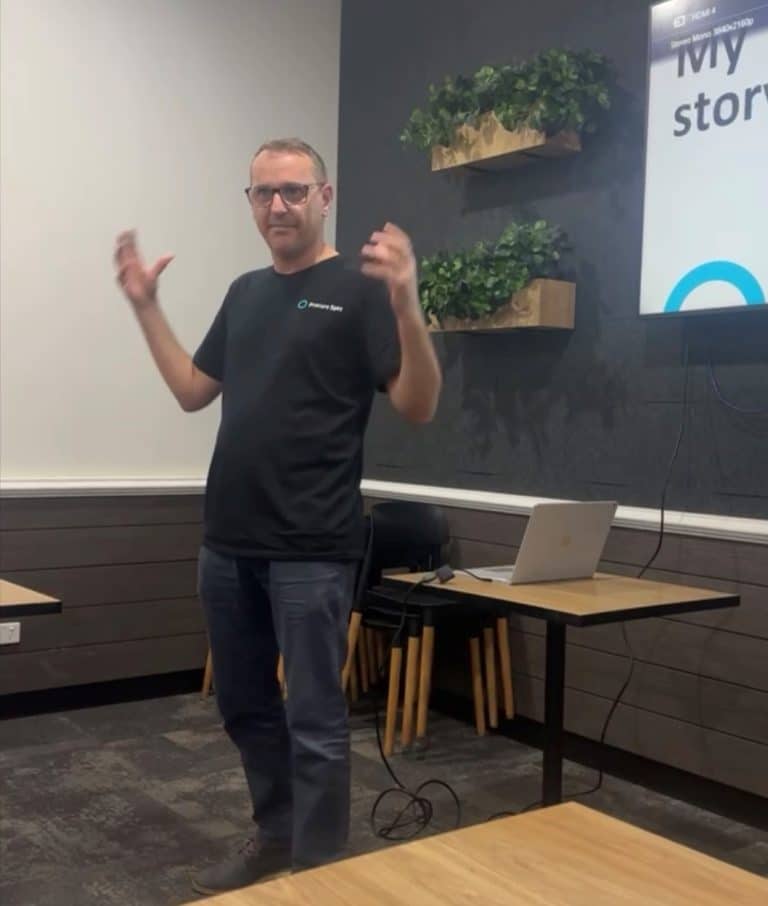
<point x="590" y="414"/>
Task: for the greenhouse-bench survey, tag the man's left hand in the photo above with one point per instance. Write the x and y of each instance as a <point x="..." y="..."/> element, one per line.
<point x="388" y="256"/>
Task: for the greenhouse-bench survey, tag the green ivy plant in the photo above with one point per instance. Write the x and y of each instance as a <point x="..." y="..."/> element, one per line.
<point x="555" y="91"/>
<point x="474" y="283"/>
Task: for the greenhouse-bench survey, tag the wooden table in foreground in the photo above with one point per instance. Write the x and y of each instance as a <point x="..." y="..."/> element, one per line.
<point x="17" y="601"/>
<point x="573" y="602"/>
<point x="567" y="855"/>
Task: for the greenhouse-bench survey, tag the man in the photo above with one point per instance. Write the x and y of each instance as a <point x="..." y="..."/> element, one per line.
<point x="297" y="351"/>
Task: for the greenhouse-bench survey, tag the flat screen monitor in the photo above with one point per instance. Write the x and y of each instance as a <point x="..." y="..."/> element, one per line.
<point x="705" y="230"/>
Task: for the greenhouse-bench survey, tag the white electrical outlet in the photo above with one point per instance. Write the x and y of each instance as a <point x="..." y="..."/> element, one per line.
<point x="10" y="633"/>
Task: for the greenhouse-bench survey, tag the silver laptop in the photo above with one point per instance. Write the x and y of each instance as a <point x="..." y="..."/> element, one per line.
<point x="561" y="541"/>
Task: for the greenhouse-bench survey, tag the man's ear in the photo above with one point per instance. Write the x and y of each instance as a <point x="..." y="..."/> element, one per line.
<point x="327" y="193"/>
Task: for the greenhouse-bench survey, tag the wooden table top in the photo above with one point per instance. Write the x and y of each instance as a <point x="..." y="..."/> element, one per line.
<point x="582" y="602"/>
<point x="15" y="600"/>
<point x="567" y="854"/>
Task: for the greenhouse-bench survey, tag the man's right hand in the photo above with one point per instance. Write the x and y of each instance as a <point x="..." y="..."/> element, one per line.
<point x="192" y="388"/>
<point x="139" y="283"/>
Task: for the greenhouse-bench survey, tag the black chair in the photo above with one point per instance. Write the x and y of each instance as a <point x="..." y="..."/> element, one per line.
<point x="413" y="537"/>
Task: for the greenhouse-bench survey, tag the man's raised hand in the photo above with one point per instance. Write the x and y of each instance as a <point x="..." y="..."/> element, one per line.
<point x="138" y="282"/>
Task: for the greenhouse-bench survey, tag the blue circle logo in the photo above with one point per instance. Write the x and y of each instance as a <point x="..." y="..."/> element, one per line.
<point x="725" y="271"/>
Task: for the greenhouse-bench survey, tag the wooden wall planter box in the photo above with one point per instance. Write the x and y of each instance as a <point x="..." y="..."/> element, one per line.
<point x="543" y="303"/>
<point x="492" y="147"/>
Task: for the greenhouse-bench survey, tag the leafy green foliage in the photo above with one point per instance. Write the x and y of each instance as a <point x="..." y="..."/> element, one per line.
<point x="474" y="283"/>
<point x="556" y="90"/>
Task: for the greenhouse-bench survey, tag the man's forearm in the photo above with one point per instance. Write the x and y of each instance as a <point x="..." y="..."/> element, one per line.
<point x="416" y="389"/>
<point x="172" y="360"/>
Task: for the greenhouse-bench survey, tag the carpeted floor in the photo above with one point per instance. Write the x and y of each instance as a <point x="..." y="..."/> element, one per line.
<point x="118" y="804"/>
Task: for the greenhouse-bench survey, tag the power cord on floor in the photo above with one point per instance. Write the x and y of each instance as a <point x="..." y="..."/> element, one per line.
<point x="511" y="814"/>
<point x="646" y="566"/>
<point x="417" y="812"/>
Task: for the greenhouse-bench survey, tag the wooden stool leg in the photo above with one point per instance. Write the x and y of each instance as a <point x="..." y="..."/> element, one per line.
<point x="207" y="675"/>
<point x="362" y="657"/>
<point x="411" y="684"/>
<point x="490" y="676"/>
<point x="505" y="659"/>
<point x="425" y="680"/>
<point x="352" y="636"/>
<point x="395" y="665"/>
<point x="477" y="685"/>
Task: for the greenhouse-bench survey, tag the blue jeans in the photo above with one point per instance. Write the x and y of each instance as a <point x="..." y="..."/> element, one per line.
<point x="295" y="753"/>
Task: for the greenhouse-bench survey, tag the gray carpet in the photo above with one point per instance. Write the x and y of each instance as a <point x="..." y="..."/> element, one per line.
<point x="118" y="804"/>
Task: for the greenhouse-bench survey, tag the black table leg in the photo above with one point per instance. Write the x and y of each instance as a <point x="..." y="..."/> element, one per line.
<point x="552" y="784"/>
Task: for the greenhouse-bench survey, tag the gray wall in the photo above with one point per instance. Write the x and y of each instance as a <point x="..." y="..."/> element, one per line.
<point x="586" y="415"/>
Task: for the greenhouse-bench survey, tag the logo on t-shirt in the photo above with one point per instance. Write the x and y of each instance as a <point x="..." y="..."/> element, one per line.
<point x="321" y="306"/>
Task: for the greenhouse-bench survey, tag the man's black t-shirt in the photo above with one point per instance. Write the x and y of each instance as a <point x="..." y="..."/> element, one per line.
<point x="300" y="357"/>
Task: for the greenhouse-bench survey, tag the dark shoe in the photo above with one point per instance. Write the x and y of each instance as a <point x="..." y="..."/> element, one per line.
<point x="256" y="860"/>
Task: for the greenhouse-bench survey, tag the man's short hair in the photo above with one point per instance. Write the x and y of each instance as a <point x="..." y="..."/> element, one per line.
<point x="297" y="146"/>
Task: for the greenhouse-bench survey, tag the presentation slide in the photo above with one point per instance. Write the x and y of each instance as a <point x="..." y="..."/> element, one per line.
<point x="705" y="231"/>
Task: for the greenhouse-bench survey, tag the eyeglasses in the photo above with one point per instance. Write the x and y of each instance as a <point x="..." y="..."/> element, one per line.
<point x="292" y="193"/>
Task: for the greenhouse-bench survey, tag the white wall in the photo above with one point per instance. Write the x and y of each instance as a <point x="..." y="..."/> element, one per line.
<point x="141" y="114"/>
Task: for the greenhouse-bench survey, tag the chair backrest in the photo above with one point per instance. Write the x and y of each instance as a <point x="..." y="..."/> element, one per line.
<point x="403" y="533"/>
